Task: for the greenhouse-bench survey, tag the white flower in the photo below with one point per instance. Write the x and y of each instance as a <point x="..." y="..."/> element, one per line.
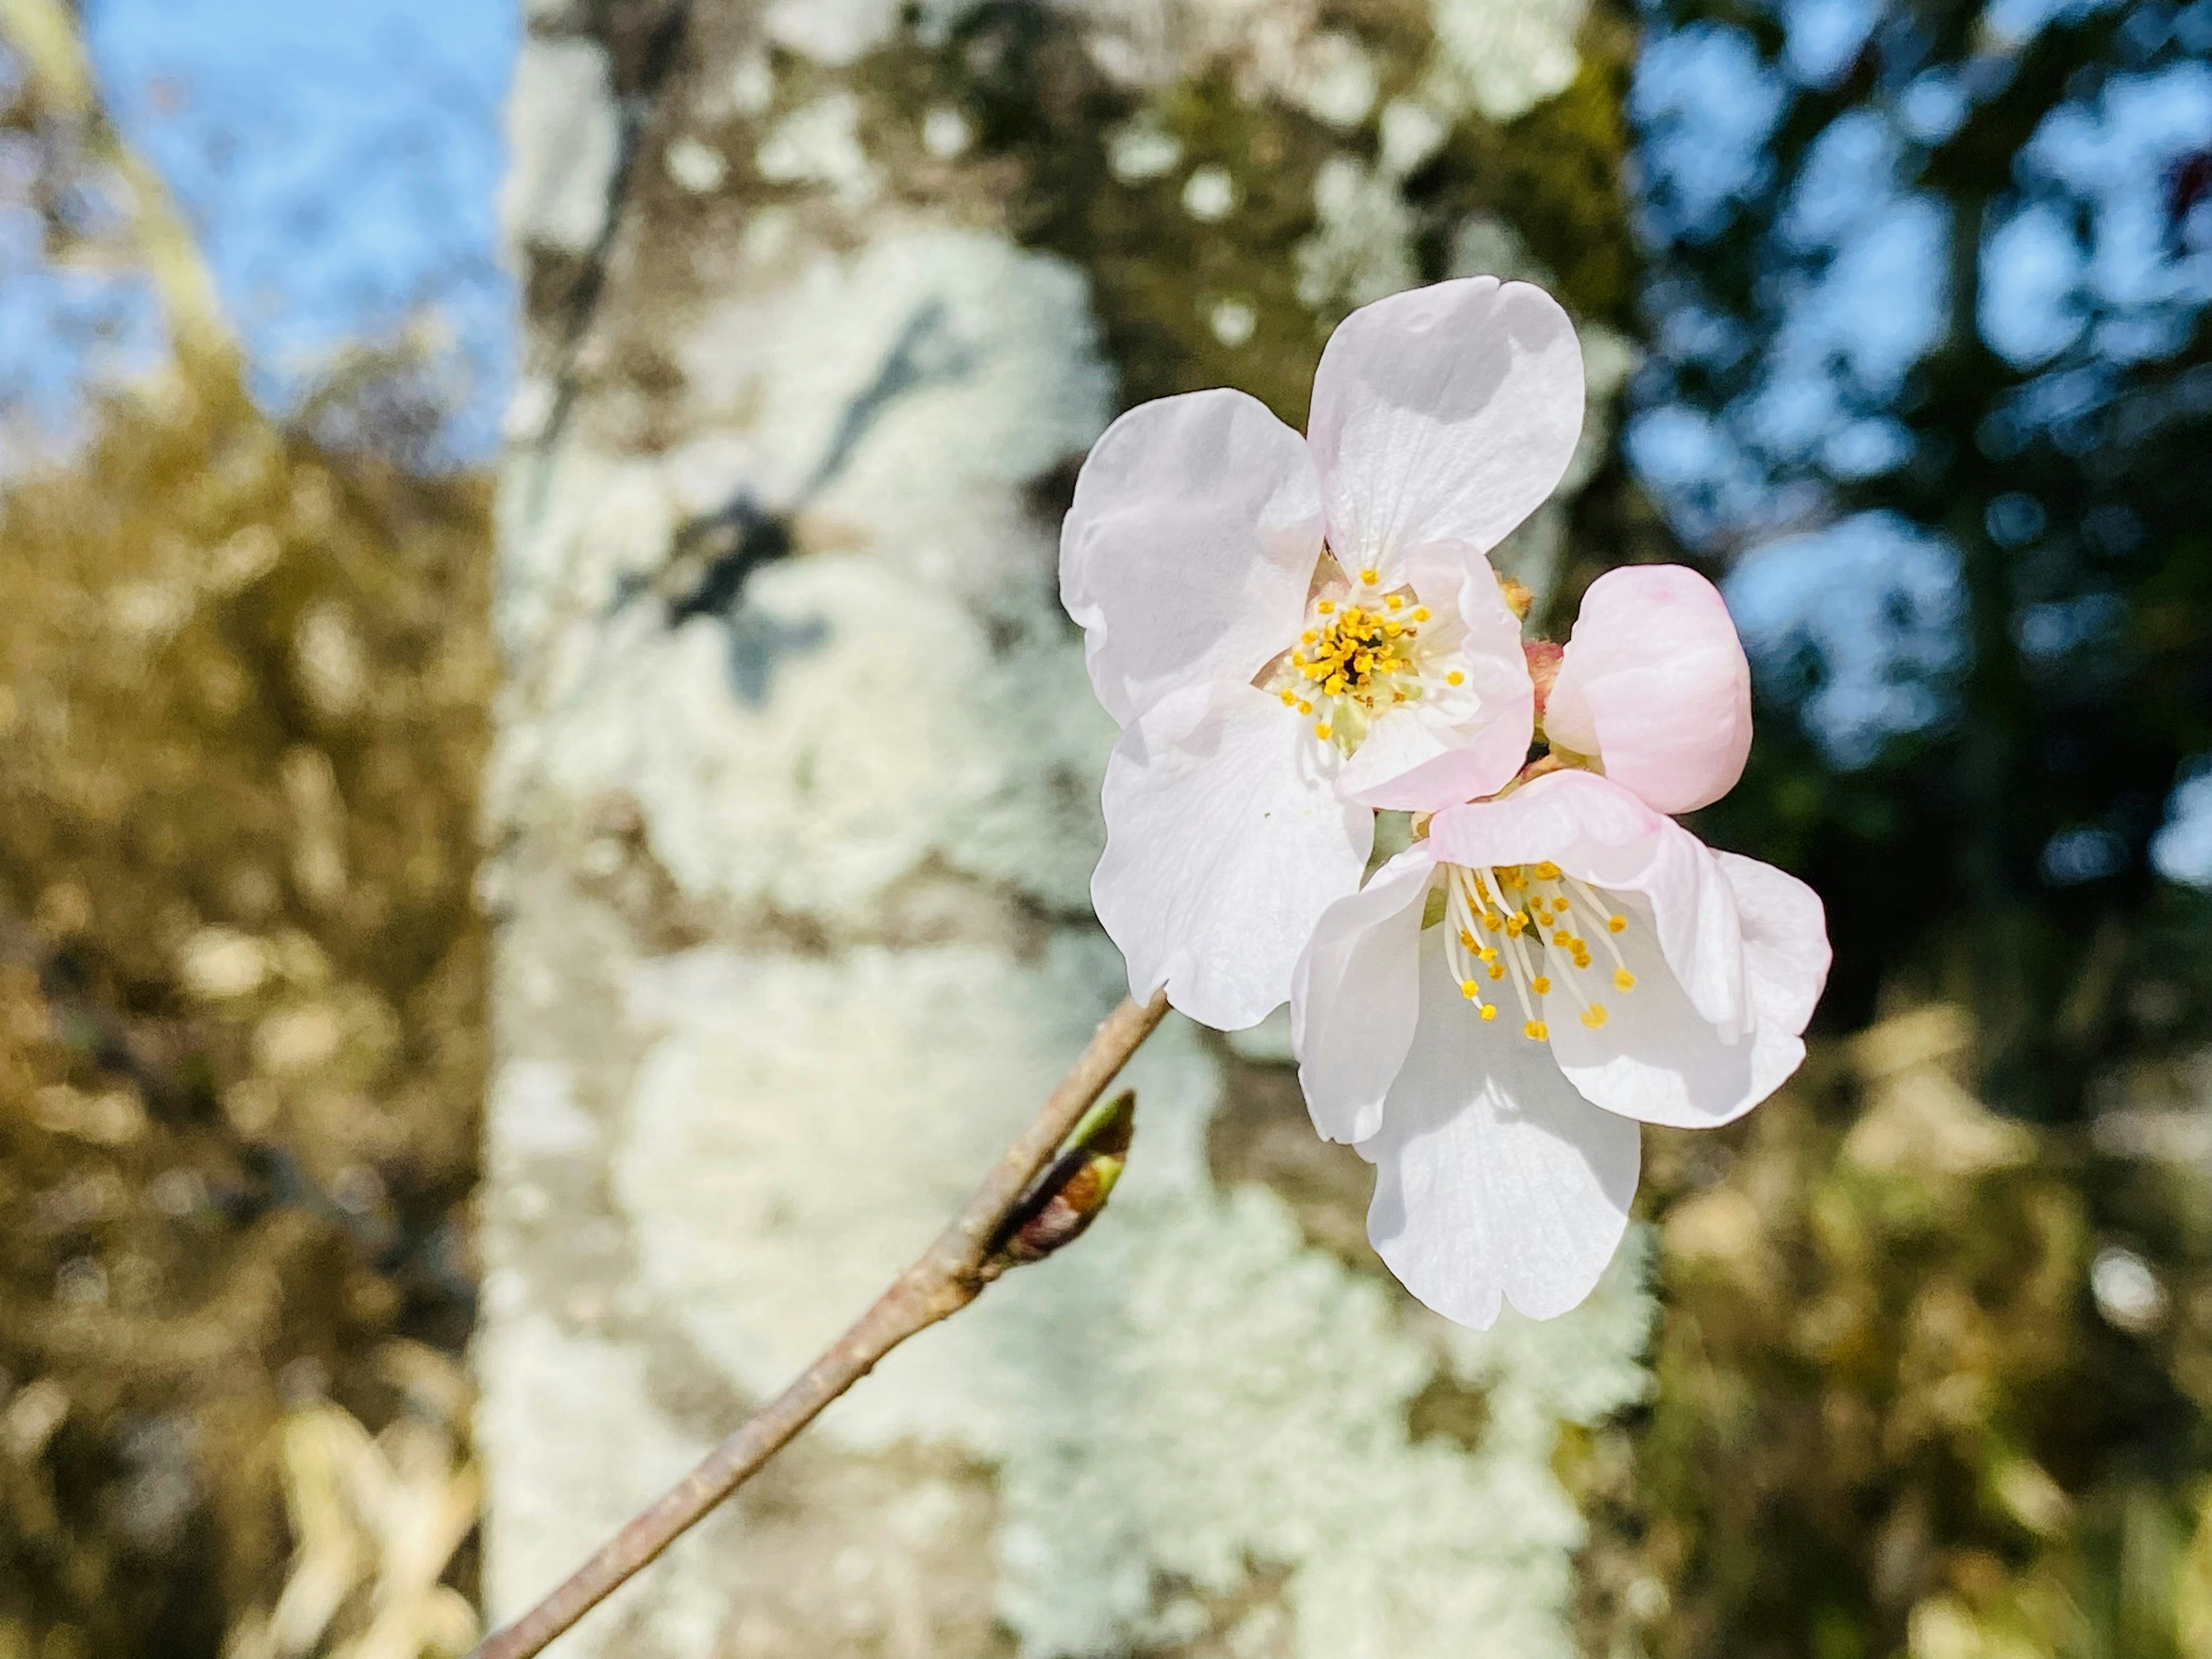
<point x="1490" y="1018"/>
<point x="1292" y="632"/>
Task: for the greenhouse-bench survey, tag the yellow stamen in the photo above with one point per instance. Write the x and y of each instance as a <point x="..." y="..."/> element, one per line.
<point x="1326" y="607"/>
<point x="1454" y="678"/>
<point x="1595" y="1015"/>
<point x="1624" y="979"/>
<point x="1290" y="699"/>
<point x="1421" y="613"/>
<point x="1541" y="984"/>
<point x="1321" y="730"/>
<point x="1490" y="1010"/>
<point x="1468" y="989"/>
<point x="1616" y="924"/>
<point x="1394" y="600"/>
<point x="1547" y="871"/>
<point x="1535" y="1031"/>
<point x="1369" y="577"/>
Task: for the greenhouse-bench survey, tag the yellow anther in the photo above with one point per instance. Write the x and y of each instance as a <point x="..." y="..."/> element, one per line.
<point x="1535" y="1031"/>
<point x="1391" y="631"/>
<point x="1321" y="730"/>
<point x="1497" y="970"/>
<point x="1547" y="871"/>
<point x="1394" y="600"/>
<point x="1304" y="707"/>
<point x="1488" y="953"/>
<point x="1624" y="979"/>
<point x="1369" y="577"/>
<point x="1467" y="939"/>
<point x="1309" y="637"/>
<point x="1468" y="989"/>
<point x="1595" y="1015"/>
<point x="1326" y="607"/>
<point x="1290" y="699"/>
<point x="1490" y="1010"/>
<point x="1421" y="614"/>
<point x="1562" y="938"/>
<point x="1454" y="678"/>
<point x="1541" y="984"/>
<point x="1616" y="924"/>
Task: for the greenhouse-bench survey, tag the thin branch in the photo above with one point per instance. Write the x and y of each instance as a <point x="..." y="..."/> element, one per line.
<point x="950" y="1275"/>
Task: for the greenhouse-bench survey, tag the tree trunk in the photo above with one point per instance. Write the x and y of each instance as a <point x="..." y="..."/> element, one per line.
<point x="795" y="807"/>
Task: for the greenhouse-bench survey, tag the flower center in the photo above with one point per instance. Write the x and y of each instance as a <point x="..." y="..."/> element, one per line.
<point x="1359" y="653"/>
<point x="1531" y="924"/>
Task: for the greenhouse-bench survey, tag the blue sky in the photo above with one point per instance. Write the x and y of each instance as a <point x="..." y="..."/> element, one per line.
<point x="341" y="164"/>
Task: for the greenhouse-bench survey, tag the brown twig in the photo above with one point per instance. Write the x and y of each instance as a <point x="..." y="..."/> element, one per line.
<point x="950" y="1275"/>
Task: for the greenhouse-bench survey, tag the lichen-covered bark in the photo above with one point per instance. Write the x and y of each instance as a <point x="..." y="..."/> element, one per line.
<point x="795" y="795"/>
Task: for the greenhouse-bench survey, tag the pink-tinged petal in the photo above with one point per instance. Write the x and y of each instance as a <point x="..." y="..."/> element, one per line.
<point x="1453" y="744"/>
<point x="1446" y="414"/>
<point x="1226" y="840"/>
<point x="1493" y="1178"/>
<point x="1598" y="832"/>
<point x="1354" y="996"/>
<point x="1655" y="683"/>
<point x="1188" y="550"/>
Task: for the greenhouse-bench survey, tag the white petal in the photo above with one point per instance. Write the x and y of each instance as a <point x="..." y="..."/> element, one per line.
<point x="1354" y="996"/>
<point x="1655" y="682"/>
<point x="1445" y="413"/>
<point x="1493" y="1176"/>
<point x="1785" y="940"/>
<point x="1467" y="741"/>
<point x="1655" y="1059"/>
<point x="1598" y="832"/>
<point x="1187" y="551"/>
<point x="1225" y="843"/>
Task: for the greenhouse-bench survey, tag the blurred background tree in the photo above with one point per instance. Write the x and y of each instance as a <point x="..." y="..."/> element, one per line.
<point x="244" y="670"/>
<point x="1926" y="302"/>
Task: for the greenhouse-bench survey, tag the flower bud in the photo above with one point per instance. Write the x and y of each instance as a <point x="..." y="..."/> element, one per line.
<point x="1068" y="1196"/>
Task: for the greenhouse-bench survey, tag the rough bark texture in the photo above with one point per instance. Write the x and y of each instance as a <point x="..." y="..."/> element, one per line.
<point x="795" y="808"/>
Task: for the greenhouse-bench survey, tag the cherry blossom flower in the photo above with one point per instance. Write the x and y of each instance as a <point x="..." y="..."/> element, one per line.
<point x="1491" y="1016"/>
<point x="1654" y="686"/>
<point x="1292" y="632"/>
